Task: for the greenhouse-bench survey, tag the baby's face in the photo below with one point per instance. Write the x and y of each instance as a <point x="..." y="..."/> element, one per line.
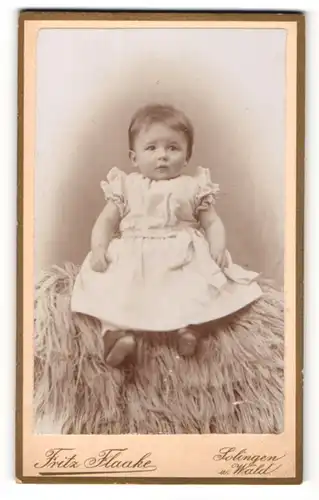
<point x="160" y="152"/>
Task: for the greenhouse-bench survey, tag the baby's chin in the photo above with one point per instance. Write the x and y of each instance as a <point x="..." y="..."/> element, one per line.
<point x="162" y="174"/>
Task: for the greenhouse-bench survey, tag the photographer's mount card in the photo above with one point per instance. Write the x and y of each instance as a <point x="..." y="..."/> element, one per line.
<point x="160" y="247"/>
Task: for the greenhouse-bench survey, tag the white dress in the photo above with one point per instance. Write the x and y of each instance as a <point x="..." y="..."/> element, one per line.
<point x="161" y="276"/>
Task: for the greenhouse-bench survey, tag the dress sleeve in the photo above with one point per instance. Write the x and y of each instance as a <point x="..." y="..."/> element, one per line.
<point x="206" y="192"/>
<point x="114" y="189"/>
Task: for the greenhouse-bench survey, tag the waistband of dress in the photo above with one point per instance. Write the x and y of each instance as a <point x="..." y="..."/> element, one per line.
<point x="158" y="232"/>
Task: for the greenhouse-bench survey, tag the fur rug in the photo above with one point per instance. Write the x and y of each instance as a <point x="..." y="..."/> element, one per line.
<point x="234" y="383"/>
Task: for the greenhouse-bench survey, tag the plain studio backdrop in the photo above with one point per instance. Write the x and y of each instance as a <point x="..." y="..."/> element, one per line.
<point x="231" y="84"/>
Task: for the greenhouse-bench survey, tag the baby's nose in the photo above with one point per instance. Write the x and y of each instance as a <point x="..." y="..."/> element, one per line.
<point x="162" y="153"/>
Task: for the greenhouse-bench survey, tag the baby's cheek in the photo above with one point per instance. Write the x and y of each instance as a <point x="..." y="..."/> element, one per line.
<point x="177" y="158"/>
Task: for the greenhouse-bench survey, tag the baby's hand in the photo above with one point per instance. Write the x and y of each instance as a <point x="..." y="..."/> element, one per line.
<point x="99" y="261"/>
<point x="219" y="255"/>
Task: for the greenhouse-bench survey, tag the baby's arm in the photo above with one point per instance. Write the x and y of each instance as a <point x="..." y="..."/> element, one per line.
<point x="102" y="233"/>
<point x="215" y="234"/>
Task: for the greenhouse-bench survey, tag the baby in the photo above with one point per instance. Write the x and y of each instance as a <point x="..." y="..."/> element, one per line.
<point x="158" y="259"/>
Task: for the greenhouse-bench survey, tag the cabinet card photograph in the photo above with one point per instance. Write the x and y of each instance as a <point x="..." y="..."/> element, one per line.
<point x="160" y="247"/>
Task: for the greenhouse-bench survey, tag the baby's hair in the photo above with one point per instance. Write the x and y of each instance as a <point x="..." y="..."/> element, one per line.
<point x="161" y="113"/>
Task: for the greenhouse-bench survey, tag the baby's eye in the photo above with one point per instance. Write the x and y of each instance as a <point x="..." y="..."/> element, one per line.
<point x="173" y="147"/>
<point x="151" y="147"/>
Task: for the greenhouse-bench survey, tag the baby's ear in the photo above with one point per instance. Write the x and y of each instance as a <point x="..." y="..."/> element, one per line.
<point x="132" y="156"/>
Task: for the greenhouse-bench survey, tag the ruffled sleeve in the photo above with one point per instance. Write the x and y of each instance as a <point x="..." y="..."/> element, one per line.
<point x="114" y="189"/>
<point x="206" y="192"/>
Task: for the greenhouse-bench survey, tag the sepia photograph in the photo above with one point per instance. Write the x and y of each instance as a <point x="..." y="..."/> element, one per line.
<point x="159" y="237"/>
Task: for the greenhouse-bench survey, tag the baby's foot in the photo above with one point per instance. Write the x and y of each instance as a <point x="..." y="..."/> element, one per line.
<point x="186" y="343"/>
<point x="122" y="348"/>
